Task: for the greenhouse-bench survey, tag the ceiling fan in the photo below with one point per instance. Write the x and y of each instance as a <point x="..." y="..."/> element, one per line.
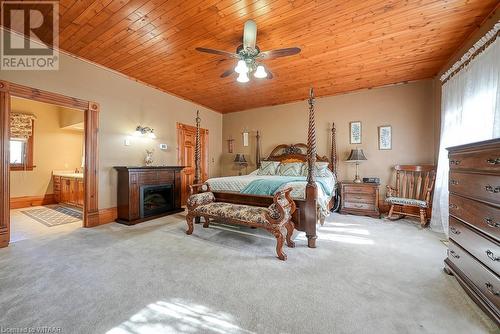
<point x="249" y="56"/>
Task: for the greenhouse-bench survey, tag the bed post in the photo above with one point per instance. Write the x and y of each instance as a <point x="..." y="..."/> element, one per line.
<point x="257" y="150"/>
<point x="197" y="151"/>
<point x="311" y="190"/>
<point x="333" y="152"/>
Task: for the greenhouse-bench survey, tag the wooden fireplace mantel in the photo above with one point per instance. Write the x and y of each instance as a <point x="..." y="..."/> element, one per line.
<point x="130" y="181"/>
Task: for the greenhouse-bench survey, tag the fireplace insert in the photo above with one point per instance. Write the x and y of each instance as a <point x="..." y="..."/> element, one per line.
<point x="156" y="199"/>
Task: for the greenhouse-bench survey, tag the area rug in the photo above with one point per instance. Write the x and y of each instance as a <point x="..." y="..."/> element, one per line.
<point x="54" y="215"/>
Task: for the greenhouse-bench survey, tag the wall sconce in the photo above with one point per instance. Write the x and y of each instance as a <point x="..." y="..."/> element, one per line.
<point x="245" y="138"/>
<point x="230" y="144"/>
<point x="144" y="131"/>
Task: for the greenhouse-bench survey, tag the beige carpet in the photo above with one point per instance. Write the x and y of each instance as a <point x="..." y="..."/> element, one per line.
<point x="367" y="276"/>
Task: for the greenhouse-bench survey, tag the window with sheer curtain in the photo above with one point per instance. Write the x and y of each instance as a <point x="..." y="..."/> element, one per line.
<point x="470" y="112"/>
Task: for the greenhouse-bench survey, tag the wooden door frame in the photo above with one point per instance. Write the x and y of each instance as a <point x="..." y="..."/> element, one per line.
<point x="91" y="115"/>
<point x="181" y="126"/>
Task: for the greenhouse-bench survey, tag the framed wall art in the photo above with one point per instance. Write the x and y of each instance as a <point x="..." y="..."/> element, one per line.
<point x="385" y="137"/>
<point x="355" y="132"/>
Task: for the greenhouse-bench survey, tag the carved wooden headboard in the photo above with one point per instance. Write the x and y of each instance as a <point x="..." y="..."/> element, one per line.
<point x="292" y="153"/>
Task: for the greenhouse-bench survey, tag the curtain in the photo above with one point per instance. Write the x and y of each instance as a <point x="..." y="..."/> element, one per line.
<point x="21" y="125"/>
<point x="470" y="112"/>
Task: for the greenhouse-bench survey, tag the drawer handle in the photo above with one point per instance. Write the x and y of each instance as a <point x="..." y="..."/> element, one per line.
<point x="491" y="223"/>
<point x="493" y="161"/>
<point x="454" y="230"/>
<point x="454" y="182"/>
<point x="453" y="206"/>
<point x="493" y="190"/>
<point x="455" y="255"/>
<point x="455" y="162"/>
<point x="358" y="206"/>
<point x="358" y="197"/>
<point x="492" y="256"/>
<point x="489" y="286"/>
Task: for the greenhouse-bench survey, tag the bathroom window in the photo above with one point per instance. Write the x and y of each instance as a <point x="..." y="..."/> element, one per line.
<point x="21" y="153"/>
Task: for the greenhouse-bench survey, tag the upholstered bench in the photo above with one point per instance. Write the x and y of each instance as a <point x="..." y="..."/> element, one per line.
<point x="276" y="218"/>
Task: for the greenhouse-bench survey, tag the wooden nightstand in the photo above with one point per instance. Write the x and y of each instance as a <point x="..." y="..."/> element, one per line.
<point x="360" y="199"/>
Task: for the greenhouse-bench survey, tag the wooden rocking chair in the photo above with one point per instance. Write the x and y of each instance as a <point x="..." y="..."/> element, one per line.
<point x="414" y="188"/>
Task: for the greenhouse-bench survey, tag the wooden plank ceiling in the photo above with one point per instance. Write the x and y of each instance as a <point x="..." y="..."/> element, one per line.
<point x="346" y="45"/>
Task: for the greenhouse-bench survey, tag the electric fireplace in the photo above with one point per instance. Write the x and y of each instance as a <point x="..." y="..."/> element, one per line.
<point x="156" y="199"/>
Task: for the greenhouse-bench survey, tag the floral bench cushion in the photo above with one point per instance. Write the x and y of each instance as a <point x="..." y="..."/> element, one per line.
<point x="200" y="199"/>
<point x="234" y="211"/>
<point x="406" y="201"/>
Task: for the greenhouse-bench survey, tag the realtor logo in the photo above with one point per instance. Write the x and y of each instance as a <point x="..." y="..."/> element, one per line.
<point x="30" y="35"/>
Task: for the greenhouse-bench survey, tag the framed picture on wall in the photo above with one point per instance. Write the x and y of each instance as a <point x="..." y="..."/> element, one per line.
<point x="355" y="132"/>
<point x="385" y="137"/>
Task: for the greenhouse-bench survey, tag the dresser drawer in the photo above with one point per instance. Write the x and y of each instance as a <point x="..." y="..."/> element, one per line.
<point x="483" y="279"/>
<point x="360" y="198"/>
<point x="483" y="249"/>
<point x="486" y="160"/>
<point x="482" y="216"/>
<point x="359" y="206"/>
<point x="354" y="189"/>
<point x="481" y="186"/>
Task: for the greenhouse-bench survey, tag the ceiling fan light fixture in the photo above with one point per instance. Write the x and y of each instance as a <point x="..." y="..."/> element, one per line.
<point x="241" y="67"/>
<point x="260" y="73"/>
<point x="243" y="77"/>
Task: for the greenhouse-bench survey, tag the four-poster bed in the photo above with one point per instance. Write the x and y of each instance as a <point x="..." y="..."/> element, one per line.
<point x="312" y="202"/>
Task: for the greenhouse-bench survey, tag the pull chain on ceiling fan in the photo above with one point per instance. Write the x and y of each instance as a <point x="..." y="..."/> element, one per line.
<point x="250" y="57"/>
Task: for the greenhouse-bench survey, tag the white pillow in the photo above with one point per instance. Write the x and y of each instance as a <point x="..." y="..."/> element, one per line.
<point x="290" y="169"/>
<point x="320" y="169"/>
<point x="268" y="168"/>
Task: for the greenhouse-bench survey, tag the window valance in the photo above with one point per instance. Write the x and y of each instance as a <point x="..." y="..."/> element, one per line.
<point x="21" y="125"/>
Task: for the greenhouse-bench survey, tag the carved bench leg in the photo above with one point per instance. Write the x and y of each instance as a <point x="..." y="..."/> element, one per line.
<point x="279" y="244"/>
<point x="206" y="222"/>
<point x="289" y="232"/>
<point x="189" y="220"/>
<point x="423" y="220"/>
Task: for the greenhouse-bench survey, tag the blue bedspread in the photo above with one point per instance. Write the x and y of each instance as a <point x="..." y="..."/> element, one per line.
<point x="269" y="186"/>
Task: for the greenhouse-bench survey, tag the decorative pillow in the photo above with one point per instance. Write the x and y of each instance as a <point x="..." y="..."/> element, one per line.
<point x="290" y="169"/>
<point x="320" y="169"/>
<point x="268" y="168"/>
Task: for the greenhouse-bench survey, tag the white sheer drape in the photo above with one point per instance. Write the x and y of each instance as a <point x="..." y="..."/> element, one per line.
<point x="470" y="112"/>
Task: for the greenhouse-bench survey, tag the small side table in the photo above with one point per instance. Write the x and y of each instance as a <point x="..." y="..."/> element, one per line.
<point x="360" y="199"/>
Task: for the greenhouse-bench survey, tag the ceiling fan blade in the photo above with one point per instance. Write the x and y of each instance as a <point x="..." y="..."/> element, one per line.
<point x="227" y="73"/>
<point x="249" y="34"/>
<point x="271" y="54"/>
<point x="218" y="52"/>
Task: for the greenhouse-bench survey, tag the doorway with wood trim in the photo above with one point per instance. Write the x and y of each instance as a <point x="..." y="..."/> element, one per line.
<point x="186" y="135"/>
<point x="87" y="195"/>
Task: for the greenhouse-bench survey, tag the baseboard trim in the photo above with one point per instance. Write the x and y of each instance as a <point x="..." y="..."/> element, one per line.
<point x="4" y="238"/>
<point x="108" y="215"/>
<point x="27" y="201"/>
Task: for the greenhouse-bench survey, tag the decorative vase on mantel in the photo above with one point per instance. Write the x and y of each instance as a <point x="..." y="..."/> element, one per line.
<point x="149" y="157"/>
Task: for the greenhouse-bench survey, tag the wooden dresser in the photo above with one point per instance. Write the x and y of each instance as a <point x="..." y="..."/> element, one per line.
<point x="360" y="199"/>
<point x="474" y="222"/>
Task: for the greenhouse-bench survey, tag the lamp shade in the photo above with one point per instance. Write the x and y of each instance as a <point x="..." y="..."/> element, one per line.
<point x="356" y="155"/>
<point x="240" y="159"/>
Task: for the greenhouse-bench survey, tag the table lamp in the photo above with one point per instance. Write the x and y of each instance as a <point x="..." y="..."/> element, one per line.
<point x="240" y="160"/>
<point x="356" y="156"/>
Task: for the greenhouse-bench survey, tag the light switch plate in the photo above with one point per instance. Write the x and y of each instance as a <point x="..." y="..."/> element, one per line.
<point x="163" y="146"/>
<point x="126" y="142"/>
